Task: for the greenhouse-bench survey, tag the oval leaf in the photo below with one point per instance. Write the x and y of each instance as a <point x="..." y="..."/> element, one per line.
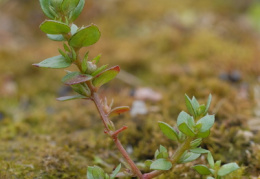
<point x="202" y="169"/>
<point x="189" y="157"/>
<point x="184" y="128"/>
<point x="45" y="5"/>
<point x="210" y="160"/>
<point x="73" y="78"/>
<point x="168" y="131"/>
<point x="54" y="62"/>
<point x="69" y="5"/>
<point x="118" y="110"/>
<point x="54" y="27"/>
<point x="161" y="164"/>
<point x="76" y="12"/>
<point x="58" y="37"/>
<point x="85" y="37"/>
<point x="106" y="76"/>
<point x="66" y="98"/>
<point x="207" y="122"/>
<point x="227" y="168"/>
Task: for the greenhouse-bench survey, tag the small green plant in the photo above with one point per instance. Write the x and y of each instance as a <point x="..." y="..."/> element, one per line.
<point x="192" y="126"/>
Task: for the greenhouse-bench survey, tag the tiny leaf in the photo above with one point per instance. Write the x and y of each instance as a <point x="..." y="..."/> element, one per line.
<point x="45" y="5"/>
<point x="54" y="62"/>
<point x="227" y="168"/>
<point x="184" y="128"/>
<point x="168" y="131"/>
<point x="69" y="5"/>
<point x="203" y="134"/>
<point x="74" y="29"/>
<point x="66" y="98"/>
<point x="115" y="172"/>
<point x="118" y="110"/>
<point x="54" y="27"/>
<point x="199" y="151"/>
<point x="99" y="70"/>
<point x="207" y="122"/>
<point x="58" y="37"/>
<point x="189" y="105"/>
<point x="189" y="157"/>
<point x="195" y="143"/>
<point x="208" y="104"/>
<point x="96" y="59"/>
<point x="210" y="160"/>
<point x="85" y="37"/>
<point x="106" y="76"/>
<point x="75" y="78"/>
<point x="161" y="164"/>
<point x="76" y="12"/>
<point x="202" y="169"/>
<point x="95" y="173"/>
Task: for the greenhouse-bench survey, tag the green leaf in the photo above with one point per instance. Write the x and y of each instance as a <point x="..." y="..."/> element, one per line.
<point x="66" y="98"/>
<point x="69" y="5"/>
<point x="189" y="157"/>
<point x="96" y="59"/>
<point x="199" y="151"/>
<point x="185" y="118"/>
<point x="161" y="164"/>
<point x="106" y="76"/>
<point x="76" y="12"/>
<point x="54" y="62"/>
<point x="202" y="169"/>
<point x="184" y="128"/>
<point x="58" y="37"/>
<point x="168" y="131"/>
<point x="189" y="106"/>
<point x="148" y="163"/>
<point x="95" y="173"/>
<point x="217" y="163"/>
<point x="195" y="143"/>
<point x="73" y="78"/>
<point x="195" y="104"/>
<point x="203" y="134"/>
<point x="227" y="168"/>
<point x="207" y="122"/>
<point x="115" y="172"/>
<point x="99" y="70"/>
<point x="82" y="89"/>
<point x="118" y="110"/>
<point x="45" y="5"/>
<point x="210" y="160"/>
<point x="208" y="104"/>
<point x="85" y="37"/>
<point x="74" y="28"/>
<point x="54" y="27"/>
<point x="201" y="110"/>
<point x="56" y="4"/>
<point x="210" y="178"/>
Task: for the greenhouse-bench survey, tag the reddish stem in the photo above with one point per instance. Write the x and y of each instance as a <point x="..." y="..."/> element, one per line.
<point x="105" y="120"/>
<point x="115" y="134"/>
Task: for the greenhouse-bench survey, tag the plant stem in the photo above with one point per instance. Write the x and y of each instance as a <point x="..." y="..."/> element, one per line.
<point x="113" y="135"/>
<point x="174" y="159"/>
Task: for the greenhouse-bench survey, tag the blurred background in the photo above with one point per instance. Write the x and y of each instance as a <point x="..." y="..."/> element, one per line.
<point x="165" y="49"/>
